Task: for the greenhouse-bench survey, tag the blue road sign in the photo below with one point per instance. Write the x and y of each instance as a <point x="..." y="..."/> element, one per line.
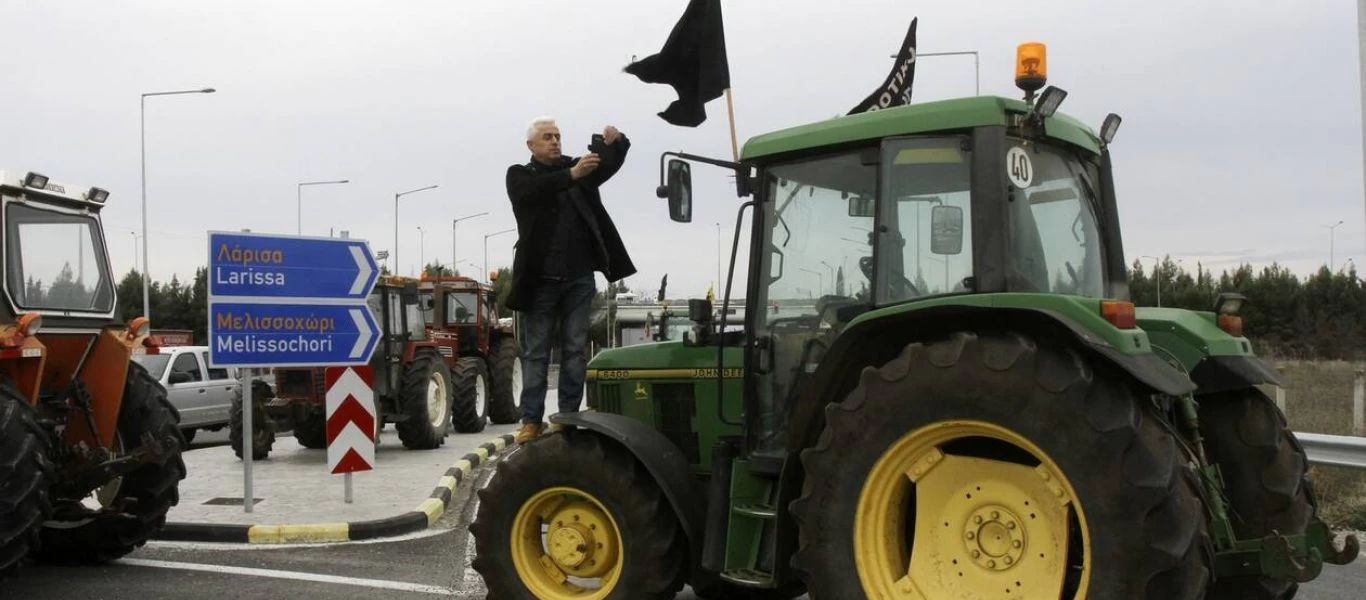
<point x="253" y="334"/>
<point x="266" y="266"/>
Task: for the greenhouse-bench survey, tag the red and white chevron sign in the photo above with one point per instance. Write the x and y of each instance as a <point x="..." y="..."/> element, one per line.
<point x="350" y="419"/>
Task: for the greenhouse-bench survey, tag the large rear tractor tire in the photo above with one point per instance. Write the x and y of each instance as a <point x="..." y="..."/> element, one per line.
<point x="991" y="465"/>
<point x="505" y="360"/>
<point x="135" y="505"/>
<point x="310" y="427"/>
<point x="25" y="474"/>
<point x="426" y="402"/>
<point x="1263" y="469"/>
<point x="577" y="505"/>
<point x="263" y="430"/>
<point x="469" y="407"/>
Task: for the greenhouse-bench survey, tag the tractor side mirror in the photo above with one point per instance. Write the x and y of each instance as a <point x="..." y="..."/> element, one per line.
<point x="680" y="191"/>
<point x="861" y="206"/>
<point x="946" y="229"/>
<point x="699" y="310"/>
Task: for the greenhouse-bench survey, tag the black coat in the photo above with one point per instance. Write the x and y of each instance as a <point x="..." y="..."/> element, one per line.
<point x="538" y="192"/>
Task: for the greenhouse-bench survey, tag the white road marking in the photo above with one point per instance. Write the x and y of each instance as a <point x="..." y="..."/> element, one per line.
<point x="401" y="586"/>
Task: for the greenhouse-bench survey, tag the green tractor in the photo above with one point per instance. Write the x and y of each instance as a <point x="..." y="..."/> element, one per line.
<point x="974" y="409"/>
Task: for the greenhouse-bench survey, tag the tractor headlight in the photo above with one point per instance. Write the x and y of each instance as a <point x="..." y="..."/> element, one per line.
<point x="97" y="195"/>
<point x="1109" y="127"/>
<point x="35" y="180"/>
<point x="1050" y="100"/>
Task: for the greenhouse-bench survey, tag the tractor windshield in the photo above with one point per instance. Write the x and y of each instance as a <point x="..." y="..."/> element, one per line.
<point x="1055" y="243"/>
<point x="55" y="261"/>
<point x="926" y="249"/>
<point x="461" y="308"/>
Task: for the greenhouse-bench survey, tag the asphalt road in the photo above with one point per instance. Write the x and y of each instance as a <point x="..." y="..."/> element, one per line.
<point x="432" y="564"/>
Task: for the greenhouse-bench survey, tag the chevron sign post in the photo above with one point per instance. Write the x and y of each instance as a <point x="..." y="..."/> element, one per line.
<point x="350" y="421"/>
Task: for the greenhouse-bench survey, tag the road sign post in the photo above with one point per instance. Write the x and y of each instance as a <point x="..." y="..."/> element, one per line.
<point x="289" y="301"/>
<point x="351" y="421"/>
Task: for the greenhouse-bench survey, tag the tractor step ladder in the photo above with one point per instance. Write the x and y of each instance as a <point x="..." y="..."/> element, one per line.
<point x="753" y="524"/>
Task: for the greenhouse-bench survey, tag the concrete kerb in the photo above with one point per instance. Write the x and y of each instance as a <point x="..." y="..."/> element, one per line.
<point x="426" y="513"/>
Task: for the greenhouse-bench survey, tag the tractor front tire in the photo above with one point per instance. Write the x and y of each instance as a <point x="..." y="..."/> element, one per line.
<point x="505" y="362"/>
<point x="25" y="474"/>
<point x="263" y="431"/>
<point x="1263" y="469"/>
<point x="995" y="465"/>
<point x="469" y="407"/>
<point x="136" y="504"/>
<point x="605" y="518"/>
<point x="425" y="403"/>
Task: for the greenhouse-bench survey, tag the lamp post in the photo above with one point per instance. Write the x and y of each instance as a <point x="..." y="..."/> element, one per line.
<point x="300" y="199"/>
<point x="976" y="63"/>
<point x="486" y="249"/>
<point x="142" y="125"/>
<point x="396" y="197"/>
<point x="421" y="251"/>
<point x="1330" y="242"/>
<point x="820" y="280"/>
<point x="453" y="224"/>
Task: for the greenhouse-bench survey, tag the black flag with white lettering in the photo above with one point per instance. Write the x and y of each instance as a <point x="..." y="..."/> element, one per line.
<point x="896" y="90"/>
<point x="693" y="61"/>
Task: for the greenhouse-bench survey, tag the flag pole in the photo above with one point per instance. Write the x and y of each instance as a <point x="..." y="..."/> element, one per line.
<point x="730" y="112"/>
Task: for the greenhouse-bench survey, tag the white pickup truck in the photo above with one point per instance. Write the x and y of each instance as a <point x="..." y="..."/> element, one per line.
<point x="203" y="396"/>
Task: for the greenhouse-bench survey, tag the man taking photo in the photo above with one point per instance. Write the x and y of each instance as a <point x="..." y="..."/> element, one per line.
<point x="564" y="236"/>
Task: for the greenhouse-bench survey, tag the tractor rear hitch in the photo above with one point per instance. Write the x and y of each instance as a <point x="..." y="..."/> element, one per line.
<point x="107" y="469"/>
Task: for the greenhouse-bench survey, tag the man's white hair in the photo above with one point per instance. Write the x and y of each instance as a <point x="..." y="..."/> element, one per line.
<point x="537" y="122"/>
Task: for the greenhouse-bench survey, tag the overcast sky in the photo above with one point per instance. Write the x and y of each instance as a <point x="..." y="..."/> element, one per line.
<point x="1233" y="111"/>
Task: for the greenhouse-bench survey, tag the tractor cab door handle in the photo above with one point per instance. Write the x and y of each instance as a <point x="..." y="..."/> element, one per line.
<point x="763" y="354"/>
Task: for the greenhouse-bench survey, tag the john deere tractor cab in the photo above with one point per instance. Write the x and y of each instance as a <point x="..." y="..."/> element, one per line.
<point x="90" y="448"/>
<point x="941" y="390"/>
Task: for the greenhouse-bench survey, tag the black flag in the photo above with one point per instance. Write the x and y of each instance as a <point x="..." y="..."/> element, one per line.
<point x="896" y="90"/>
<point x="693" y="61"/>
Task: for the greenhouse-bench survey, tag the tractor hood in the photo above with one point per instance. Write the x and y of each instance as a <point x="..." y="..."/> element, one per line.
<point x="645" y="360"/>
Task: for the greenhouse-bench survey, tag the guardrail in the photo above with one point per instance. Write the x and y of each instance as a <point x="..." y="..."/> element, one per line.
<point x="1334" y="450"/>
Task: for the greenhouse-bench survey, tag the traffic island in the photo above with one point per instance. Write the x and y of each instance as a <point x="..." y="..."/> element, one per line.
<point x="297" y="481"/>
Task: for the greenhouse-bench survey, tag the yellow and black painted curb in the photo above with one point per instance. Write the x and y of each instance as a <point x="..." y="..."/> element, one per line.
<point x="421" y="518"/>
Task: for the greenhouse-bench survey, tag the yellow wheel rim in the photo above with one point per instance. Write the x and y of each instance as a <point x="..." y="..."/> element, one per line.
<point x="983" y="527"/>
<point x="562" y="538"/>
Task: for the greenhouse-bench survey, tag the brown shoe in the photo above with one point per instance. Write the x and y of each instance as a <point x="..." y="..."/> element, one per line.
<point x="529" y="431"/>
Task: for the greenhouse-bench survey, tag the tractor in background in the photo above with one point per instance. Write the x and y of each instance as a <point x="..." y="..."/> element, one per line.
<point x="980" y="412"/>
<point x="490" y="362"/>
<point x="415" y="388"/>
<point x="90" y="447"/>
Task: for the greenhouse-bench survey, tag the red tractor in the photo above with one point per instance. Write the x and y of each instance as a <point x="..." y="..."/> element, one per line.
<point x="418" y="382"/>
<point x="488" y="348"/>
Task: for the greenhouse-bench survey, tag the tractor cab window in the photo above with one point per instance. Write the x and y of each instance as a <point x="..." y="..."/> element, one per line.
<point x="925" y="248"/>
<point x="55" y="261"/>
<point x="818" y="220"/>
<point x="1054" y="238"/>
<point x="461" y="308"/>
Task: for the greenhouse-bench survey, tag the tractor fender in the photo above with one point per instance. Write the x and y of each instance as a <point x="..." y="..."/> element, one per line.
<point x="1223" y="373"/>
<point x="660" y="456"/>
<point x="875" y="341"/>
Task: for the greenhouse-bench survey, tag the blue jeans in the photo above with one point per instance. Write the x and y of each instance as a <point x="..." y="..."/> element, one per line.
<point x="570" y="303"/>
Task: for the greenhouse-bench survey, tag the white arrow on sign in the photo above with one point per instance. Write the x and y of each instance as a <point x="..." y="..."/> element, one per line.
<point x="363" y="328"/>
<point x="363" y="270"/>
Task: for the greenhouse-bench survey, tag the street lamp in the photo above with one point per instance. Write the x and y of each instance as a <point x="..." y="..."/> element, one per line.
<point x="453" y="223"/>
<point x="1157" y="269"/>
<point x="976" y="63"/>
<point x="142" y="125"/>
<point x="396" y="197"/>
<point x="300" y="200"/>
<point x="1330" y="242"/>
<point x="421" y="251"/>
<point x="486" y="249"/>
